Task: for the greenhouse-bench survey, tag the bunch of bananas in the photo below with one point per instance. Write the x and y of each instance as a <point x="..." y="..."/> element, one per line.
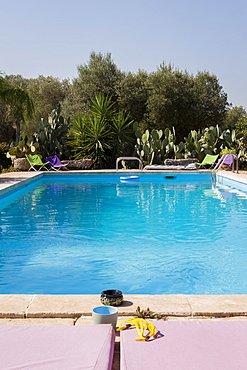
<point x="141" y="325"/>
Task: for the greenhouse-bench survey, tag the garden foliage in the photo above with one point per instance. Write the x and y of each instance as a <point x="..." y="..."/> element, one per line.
<point x="177" y="114"/>
<point x="102" y="133"/>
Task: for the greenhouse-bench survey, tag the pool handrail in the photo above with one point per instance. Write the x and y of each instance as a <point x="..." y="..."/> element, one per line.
<point x="129" y="159"/>
<point x="223" y="159"/>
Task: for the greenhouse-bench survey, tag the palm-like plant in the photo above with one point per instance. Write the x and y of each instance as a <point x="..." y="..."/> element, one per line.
<point x="90" y="138"/>
<point x="77" y="136"/>
<point x="18" y="101"/>
<point x="102" y="107"/>
<point x="122" y="130"/>
<point x="102" y="133"/>
<point x="97" y="141"/>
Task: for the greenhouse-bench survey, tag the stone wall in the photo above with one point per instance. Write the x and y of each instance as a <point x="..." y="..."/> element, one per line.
<point x="79" y="164"/>
<point x="21" y="164"/>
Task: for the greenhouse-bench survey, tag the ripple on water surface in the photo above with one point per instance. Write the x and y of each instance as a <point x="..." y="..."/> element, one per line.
<point x="152" y="238"/>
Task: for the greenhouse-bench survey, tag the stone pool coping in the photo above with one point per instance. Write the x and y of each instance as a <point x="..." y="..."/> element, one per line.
<point x="21" y="306"/>
<point x="15" y="179"/>
<point x="77" y="306"/>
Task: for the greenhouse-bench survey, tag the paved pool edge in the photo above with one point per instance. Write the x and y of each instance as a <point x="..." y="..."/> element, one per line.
<point x="76" y="306"/>
<point x="13" y="180"/>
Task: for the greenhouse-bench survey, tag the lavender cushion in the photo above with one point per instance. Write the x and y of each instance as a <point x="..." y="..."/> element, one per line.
<point x="57" y="347"/>
<point x="188" y="345"/>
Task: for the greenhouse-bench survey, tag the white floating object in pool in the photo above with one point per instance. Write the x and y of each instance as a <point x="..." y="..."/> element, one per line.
<point x="129" y="178"/>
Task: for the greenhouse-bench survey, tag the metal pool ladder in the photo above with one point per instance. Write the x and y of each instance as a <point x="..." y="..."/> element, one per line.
<point x="220" y="163"/>
<point x="129" y="159"/>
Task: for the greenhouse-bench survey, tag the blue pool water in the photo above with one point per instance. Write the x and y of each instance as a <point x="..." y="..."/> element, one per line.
<point x="155" y="235"/>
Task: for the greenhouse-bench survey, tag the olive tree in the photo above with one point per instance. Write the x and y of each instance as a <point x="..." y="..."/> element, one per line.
<point x="99" y="75"/>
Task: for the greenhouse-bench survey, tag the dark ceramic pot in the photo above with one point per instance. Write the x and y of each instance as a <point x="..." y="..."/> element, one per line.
<point x="111" y="297"/>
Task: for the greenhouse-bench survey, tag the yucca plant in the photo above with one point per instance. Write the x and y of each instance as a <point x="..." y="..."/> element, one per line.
<point x="90" y="138"/>
<point x="122" y="133"/>
<point x="97" y="141"/>
<point x="101" y="134"/>
<point x="102" y="107"/>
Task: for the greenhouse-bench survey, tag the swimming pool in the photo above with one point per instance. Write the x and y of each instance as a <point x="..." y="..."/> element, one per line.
<point x="159" y="234"/>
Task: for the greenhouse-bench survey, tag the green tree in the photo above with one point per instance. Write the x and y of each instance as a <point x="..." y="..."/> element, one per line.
<point x="185" y="102"/>
<point x="171" y="100"/>
<point x="233" y="115"/>
<point x="132" y="95"/>
<point x="18" y="102"/>
<point x="17" y="80"/>
<point x="99" y="75"/>
<point x="47" y="93"/>
<point x="241" y="127"/>
<point x="211" y="104"/>
<point x="7" y="131"/>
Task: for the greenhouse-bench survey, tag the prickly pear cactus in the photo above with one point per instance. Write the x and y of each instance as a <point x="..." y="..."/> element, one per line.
<point x="52" y="136"/>
<point x="156" y="146"/>
<point x="23" y="147"/>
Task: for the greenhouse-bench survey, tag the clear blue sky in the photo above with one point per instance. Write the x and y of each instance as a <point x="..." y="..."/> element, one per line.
<point x="54" y="37"/>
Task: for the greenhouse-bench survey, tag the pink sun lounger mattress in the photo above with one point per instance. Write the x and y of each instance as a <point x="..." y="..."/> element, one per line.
<point x="88" y="347"/>
<point x="188" y="345"/>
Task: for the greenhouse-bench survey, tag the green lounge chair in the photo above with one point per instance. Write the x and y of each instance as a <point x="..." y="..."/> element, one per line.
<point x="208" y="160"/>
<point x="35" y="160"/>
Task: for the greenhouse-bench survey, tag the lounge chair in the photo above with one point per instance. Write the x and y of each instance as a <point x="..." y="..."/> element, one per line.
<point x="191" y="166"/>
<point x="35" y="160"/>
<point x="174" y="164"/>
<point x="55" y="163"/>
<point x="208" y="160"/>
<point x="228" y="159"/>
<point x="187" y="345"/>
<point x="57" y="347"/>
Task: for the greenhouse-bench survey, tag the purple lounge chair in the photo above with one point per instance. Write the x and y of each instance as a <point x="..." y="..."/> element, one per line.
<point x="57" y="347"/>
<point x="55" y="163"/>
<point x="227" y="160"/>
<point x="187" y="345"/>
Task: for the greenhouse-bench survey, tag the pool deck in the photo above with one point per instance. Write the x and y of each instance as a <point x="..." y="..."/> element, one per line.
<point x="21" y="309"/>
